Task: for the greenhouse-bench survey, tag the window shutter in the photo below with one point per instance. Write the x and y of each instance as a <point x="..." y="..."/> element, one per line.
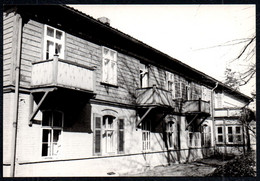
<point x="97" y="134"/>
<point x="121" y="135"/>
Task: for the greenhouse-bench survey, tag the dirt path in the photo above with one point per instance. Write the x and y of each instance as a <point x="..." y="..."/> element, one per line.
<point x="194" y="169"/>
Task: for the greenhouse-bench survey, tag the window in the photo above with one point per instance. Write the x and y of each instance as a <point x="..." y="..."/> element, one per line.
<point x="169" y="133"/>
<point x="108" y="135"/>
<point x="143" y="76"/>
<point x="220" y="134"/>
<point x="121" y="136"/>
<point x="206" y="136"/>
<point x="52" y="122"/>
<point x="234" y="134"/>
<point x="109" y="66"/>
<point x="194" y="138"/>
<point x="146" y="128"/>
<point x="53" y="42"/>
<point x="170" y="83"/>
<point x="180" y="88"/>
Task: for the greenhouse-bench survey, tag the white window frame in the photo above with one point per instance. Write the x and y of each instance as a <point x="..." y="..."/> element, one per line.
<point x="170" y="83"/>
<point x="144" y="75"/>
<point x="182" y="86"/>
<point x="110" y="142"/>
<point x="234" y="134"/>
<point x="220" y="134"/>
<point x="52" y="128"/>
<point x="169" y="132"/>
<point x="55" y="41"/>
<point x="206" y="134"/>
<point x="146" y="136"/>
<point x="109" y="66"/>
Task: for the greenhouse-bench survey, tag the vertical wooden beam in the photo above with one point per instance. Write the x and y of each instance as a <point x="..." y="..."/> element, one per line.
<point x="31" y="101"/>
<point x="55" y="69"/>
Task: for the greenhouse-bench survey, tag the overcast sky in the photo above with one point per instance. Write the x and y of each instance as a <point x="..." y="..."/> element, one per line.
<point x="189" y="33"/>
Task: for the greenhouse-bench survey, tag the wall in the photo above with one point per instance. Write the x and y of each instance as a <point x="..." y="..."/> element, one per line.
<point x="8" y="24"/>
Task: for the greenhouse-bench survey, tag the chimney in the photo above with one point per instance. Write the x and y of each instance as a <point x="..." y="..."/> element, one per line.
<point x="104" y="20"/>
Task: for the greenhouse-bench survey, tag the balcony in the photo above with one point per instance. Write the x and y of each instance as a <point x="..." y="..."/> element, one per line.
<point x="228" y="112"/>
<point x="153" y="96"/>
<point x="196" y="106"/>
<point x="62" y="73"/>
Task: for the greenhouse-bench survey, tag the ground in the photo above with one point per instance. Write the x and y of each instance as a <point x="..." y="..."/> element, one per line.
<point x="199" y="168"/>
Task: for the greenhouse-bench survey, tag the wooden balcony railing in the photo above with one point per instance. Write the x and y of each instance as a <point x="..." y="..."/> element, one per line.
<point x="227" y="112"/>
<point x="57" y="72"/>
<point x="154" y="96"/>
<point x="196" y="106"/>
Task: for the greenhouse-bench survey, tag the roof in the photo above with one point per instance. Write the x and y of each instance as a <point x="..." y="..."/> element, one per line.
<point x="125" y="43"/>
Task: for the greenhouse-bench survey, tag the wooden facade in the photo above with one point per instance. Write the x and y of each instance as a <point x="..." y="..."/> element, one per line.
<point x="79" y="105"/>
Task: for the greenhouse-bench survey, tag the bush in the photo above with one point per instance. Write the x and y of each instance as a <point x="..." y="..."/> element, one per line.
<point x="240" y="166"/>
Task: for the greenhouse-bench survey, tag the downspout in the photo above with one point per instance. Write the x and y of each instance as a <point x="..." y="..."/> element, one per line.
<point x="18" y="20"/>
<point x="213" y="115"/>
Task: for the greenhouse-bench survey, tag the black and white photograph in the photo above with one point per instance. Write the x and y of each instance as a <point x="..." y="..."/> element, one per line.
<point x="124" y="90"/>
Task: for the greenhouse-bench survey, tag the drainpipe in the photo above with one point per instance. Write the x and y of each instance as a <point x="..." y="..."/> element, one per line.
<point x="18" y="20"/>
<point x="213" y="114"/>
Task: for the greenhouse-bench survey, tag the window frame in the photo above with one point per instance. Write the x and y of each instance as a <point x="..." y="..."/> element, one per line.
<point x="146" y="135"/>
<point x="51" y="128"/>
<point x="170" y="80"/>
<point x="220" y="134"/>
<point x="234" y="134"/>
<point x="54" y="40"/>
<point x="106" y="68"/>
<point x="170" y="134"/>
<point x="143" y="75"/>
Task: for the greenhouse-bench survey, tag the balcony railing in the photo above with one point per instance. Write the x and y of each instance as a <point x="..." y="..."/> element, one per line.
<point x="227" y="112"/>
<point x="153" y="96"/>
<point x="57" y="72"/>
<point x="196" y="106"/>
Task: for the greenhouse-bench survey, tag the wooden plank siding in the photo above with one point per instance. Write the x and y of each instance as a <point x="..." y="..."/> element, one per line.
<point x="31" y="49"/>
<point x="8" y="23"/>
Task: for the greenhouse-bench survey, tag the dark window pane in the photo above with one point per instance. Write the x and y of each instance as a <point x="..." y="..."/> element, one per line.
<point x="57" y="119"/>
<point x="98" y="122"/>
<point x="239" y="138"/>
<point x="219" y="130"/>
<point x="121" y="141"/>
<point x="97" y="141"/>
<point x="46" y="135"/>
<point x="121" y="124"/>
<point x="220" y="138"/>
<point x="230" y="138"/>
<point x="58" y="35"/>
<point x="229" y="130"/>
<point x="46" y="118"/>
<point x="50" y="32"/>
<point x="56" y="135"/>
<point x="238" y="130"/>
<point x="44" y="149"/>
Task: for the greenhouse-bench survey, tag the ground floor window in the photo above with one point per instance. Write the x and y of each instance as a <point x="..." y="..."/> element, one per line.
<point x="51" y="132"/>
<point x="169" y="134"/>
<point x="234" y="134"/>
<point x="206" y="136"/>
<point x="220" y="134"/>
<point x="194" y="138"/>
<point x="146" y="129"/>
<point x="108" y="134"/>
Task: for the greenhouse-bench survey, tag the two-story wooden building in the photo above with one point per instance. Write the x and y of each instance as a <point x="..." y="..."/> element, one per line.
<point x="84" y="99"/>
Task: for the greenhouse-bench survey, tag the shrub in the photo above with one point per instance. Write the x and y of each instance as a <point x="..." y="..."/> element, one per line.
<point x="240" y="166"/>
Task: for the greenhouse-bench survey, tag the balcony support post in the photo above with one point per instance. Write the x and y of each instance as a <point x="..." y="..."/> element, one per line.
<point x="192" y="121"/>
<point x="33" y="114"/>
<point x="138" y="123"/>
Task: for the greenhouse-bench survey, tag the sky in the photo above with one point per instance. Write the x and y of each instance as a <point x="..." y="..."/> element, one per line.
<point x="193" y="34"/>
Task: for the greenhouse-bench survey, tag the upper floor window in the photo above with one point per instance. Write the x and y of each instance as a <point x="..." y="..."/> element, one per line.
<point x="109" y="66"/>
<point x="180" y="88"/>
<point x="53" y="42"/>
<point x="170" y="83"/>
<point x="52" y="123"/>
<point x="143" y="75"/>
